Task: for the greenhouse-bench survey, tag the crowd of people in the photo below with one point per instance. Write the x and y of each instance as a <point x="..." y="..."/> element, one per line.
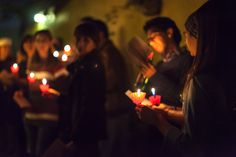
<point x="85" y="108"/>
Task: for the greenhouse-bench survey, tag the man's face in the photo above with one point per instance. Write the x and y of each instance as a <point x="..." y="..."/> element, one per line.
<point x="158" y="41"/>
<point x="4" y="52"/>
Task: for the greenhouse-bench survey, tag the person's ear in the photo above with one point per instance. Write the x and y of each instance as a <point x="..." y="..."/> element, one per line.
<point x="170" y="32"/>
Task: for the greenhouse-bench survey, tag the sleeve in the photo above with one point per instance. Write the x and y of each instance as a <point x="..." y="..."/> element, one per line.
<point x="168" y="89"/>
<point x="198" y="126"/>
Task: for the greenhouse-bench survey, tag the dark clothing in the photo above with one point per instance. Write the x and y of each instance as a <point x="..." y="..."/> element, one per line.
<point x="43" y="105"/>
<point x="12" y="135"/>
<point x="40" y="135"/>
<point x="82" y="115"/>
<point x="116" y="79"/>
<point x="41" y="119"/>
<point x="170" y="76"/>
<point x="205" y="126"/>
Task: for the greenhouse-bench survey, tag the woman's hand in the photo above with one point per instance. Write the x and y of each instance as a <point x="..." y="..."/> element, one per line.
<point x="154" y="117"/>
<point x="21" y="100"/>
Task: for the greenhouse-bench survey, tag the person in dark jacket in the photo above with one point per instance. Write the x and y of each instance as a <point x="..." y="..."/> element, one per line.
<point x="12" y="135"/>
<point x="168" y="75"/>
<point x="205" y="113"/>
<point x="83" y="111"/>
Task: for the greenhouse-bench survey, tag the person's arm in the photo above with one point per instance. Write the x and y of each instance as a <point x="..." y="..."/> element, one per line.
<point x="173" y="114"/>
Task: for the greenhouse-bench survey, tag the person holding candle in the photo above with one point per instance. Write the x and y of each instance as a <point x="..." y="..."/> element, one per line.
<point x="167" y="76"/>
<point x="12" y="135"/>
<point x="41" y="115"/>
<point x="205" y="113"/>
<point x="83" y="111"/>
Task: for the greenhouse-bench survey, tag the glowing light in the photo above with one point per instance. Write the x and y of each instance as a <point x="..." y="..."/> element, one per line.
<point x="56" y="54"/>
<point x="15" y="65"/>
<point x="40" y="18"/>
<point x="139" y="92"/>
<point x="32" y="75"/>
<point x="64" y="58"/>
<point x="153" y="91"/>
<point x="44" y="81"/>
<point x="67" y="48"/>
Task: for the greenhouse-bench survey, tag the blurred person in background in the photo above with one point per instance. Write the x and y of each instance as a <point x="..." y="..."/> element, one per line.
<point x="83" y="119"/>
<point x="117" y="106"/>
<point x="41" y="115"/>
<point x="12" y="135"/>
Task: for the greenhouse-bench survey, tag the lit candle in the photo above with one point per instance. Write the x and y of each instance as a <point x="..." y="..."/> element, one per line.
<point x="15" y="68"/>
<point x="44" y="87"/>
<point x="67" y="48"/>
<point x="155" y="99"/>
<point x="56" y="54"/>
<point x="31" y="77"/>
<point x="138" y="97"/>
<point x="64" y="58"/>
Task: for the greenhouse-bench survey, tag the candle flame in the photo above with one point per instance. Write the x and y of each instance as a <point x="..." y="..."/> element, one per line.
<point x="67" y="48"/>
<point x="15" y="65"/>
<point x="56" y="54"/>
<point x="139" y="92"/>
<point x="64" y="58"/>
<point x="44" y="81"/>
<point x="153" y="91"/>
<point x="31" y="74"/>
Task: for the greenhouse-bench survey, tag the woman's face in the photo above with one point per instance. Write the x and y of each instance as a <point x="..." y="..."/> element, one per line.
<point x="85" y="45"/>
<point x="191" y="43"/>
<point x="158" y="41"/>
<point x="43" y="44"/>
<point x="29" y="47"/>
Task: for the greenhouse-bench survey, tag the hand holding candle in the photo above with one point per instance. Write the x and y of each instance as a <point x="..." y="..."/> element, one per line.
<point x="155" y="99"/>
<point x="15" y="68"/>
<point x="138" y="97"/>
<point x="44" y="87"/>
<point x="31" y="77"/>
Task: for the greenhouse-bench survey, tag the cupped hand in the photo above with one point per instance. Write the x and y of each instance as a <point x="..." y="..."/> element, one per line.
<point x="148" y="71"/>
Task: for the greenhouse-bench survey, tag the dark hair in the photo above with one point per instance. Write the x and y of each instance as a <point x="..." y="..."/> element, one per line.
<point x="26" y="38"/>
<point x="161" y="24"/>
<point x="36" y="58"/>
<point x="102" y="27"/>
<point x="207" y="57"/>
<point x="44" y="32"/>
<point x="87" y="29"/>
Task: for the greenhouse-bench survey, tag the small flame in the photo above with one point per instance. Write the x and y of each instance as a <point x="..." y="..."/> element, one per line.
<point x="32" y="75"/>
<point x="44" y="81"/>
<point x="64" y="58"/>
<point x="56" y="54"/>
<point x="153" y="91"/>
<point x="139" y="92"/>
<point x="67" y="48"/>
<point x="15" y="65"/>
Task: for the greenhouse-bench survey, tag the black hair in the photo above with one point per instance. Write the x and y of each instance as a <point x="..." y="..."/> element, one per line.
<point x="161" y="24"/>
<point x="44" y="32"/>
<point x="26" y="38"/>
<point x="102" y="27"/>
<point x="87" y="29"/>
<point x="207" y="59"/>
